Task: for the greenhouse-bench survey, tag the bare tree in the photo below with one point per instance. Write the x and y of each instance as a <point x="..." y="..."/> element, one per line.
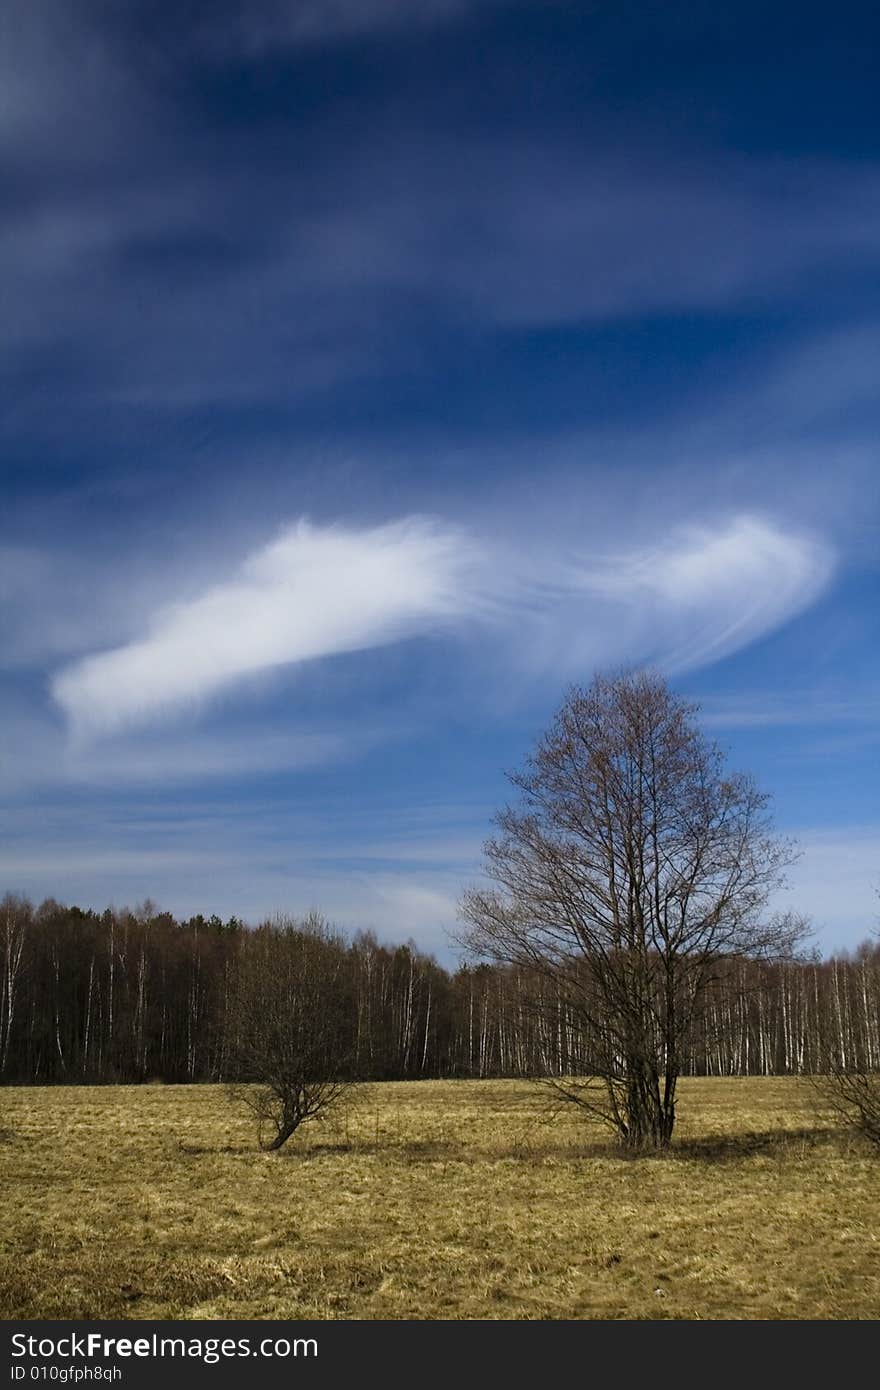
<point x="16" y="915"/>
<point x="291" y="1025"/>
<point x="853" y="1095"/>
<point x="849" y="1081"/>
<point x="632" y="866"/>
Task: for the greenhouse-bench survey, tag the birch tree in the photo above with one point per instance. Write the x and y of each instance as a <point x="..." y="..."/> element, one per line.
<point x="15" y="917"/>
<point x="849" y="1080"/>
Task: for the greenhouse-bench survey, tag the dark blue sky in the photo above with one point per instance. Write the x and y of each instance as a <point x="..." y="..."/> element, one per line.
<point x="371" y="370"/>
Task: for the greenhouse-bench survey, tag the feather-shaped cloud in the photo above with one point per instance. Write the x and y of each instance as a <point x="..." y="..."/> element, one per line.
<point x="317" y="591"/>
<point x="311" y="593"/>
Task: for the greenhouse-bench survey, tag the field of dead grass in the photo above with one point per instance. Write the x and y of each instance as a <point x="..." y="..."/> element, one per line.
<point x="431" y="1200"/>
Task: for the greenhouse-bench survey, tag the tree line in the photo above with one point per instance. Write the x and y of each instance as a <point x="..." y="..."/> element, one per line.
<point x="137" y="995"/>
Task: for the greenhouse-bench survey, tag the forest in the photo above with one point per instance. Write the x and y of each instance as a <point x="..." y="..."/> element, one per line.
<point x="137" y="995"/>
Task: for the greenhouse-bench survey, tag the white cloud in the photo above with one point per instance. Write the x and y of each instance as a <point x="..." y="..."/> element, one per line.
<point x="695" y="597"/>
<point x="704" y="592"/>
<point x="311" y="593"/>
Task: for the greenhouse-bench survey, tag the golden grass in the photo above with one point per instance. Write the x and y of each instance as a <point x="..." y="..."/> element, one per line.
<point x="432" y="1200"/>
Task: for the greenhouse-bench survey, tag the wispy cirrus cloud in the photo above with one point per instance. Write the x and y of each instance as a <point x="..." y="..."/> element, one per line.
<point x="798" y="707"/>
<point x="318" y="591"/>
<point x="270" y="25"/>
<point x="35" y="753"/>
<point x="235" y="861"/>
<point x="703" y="592"/>
<point x="364" y="266"/>
<point x="311" y="593"/>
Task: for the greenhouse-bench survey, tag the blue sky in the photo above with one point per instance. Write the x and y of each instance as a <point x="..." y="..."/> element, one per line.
<point x="372" y="370"/>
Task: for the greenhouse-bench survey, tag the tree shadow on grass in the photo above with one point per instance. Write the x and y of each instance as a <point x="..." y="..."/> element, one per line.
<point x="717" y="1148"/>
<point x="771" y="1143"/>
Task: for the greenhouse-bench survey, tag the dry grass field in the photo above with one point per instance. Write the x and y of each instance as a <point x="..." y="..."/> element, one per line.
<point x="432" y="1200"/>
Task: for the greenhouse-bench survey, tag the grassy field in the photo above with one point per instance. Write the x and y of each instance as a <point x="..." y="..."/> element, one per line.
<point x="431" y="1200"/>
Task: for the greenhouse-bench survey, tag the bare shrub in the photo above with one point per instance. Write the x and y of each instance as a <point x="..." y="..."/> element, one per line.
<point x="291" y="1026"/>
